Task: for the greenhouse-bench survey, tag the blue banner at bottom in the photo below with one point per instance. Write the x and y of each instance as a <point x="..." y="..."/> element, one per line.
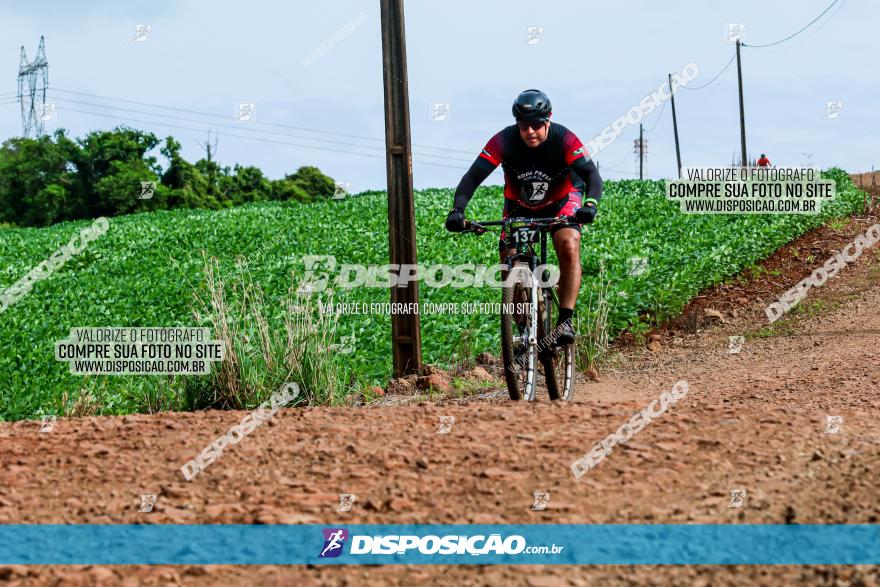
<point x="517" y="544"/>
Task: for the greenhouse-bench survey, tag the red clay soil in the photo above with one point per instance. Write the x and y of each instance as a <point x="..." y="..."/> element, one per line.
<point x="756" y="420"/>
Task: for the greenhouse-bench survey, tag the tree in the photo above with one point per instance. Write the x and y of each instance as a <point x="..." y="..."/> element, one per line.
<point x="120" y="188"/>
<point x="286" y="190"/>
<point x="189" y="187"/>
<point x="34" y="181"/>
<point x="315" y="183"/>
<point x="54" y="178"/>
<point x="105" y="153"/>
<point x="249" y="185"/>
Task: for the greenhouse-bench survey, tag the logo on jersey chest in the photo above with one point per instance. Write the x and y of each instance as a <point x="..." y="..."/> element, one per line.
<point x="535" y="184"/>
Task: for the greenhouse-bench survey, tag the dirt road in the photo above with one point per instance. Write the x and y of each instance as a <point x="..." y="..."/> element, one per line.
<point x="754" y="420"/>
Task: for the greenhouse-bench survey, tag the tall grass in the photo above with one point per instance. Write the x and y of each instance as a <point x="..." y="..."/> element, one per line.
<point x="592" y="329"/>
<point x="268" y="342"/>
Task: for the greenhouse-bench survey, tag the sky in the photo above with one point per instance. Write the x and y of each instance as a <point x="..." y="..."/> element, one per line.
<point x="323" y="105"/>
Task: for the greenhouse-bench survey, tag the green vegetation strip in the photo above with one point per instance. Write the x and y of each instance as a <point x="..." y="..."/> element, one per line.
<point x="144" y="270"/>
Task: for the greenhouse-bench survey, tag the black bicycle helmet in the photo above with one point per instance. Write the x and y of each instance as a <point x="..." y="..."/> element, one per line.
<point x="532" y="105"/>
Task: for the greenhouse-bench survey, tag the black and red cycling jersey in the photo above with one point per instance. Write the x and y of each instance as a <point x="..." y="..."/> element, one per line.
<point x="534" y="177"/>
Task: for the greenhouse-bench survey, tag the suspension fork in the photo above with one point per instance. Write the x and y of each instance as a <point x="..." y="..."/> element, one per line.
<point x="545" y="294"/>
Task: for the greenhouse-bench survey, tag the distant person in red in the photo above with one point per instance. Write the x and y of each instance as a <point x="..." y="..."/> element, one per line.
<point x="763" y="161"/>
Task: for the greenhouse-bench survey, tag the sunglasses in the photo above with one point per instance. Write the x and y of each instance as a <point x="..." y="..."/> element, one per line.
<point x="530" y="124"/>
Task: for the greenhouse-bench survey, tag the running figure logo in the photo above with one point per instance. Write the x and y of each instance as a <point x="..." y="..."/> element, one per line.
<point x="147" y="503"/>
<point x="535" y="190"/>
<point x="147" y="190"/>
<point x="334" y="539"/>
<point x="542" y="498"/>
<point x="833" y="424"/>
<point x="446" y="423"/>
<point x="48" y="423"/>
<point x="736" y="498"/>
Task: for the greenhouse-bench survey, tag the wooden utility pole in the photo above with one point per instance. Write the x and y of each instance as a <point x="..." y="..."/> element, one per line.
<point x="742" y="115"/>
<point x="675" y="127"/>
<point x="406" y="341"/>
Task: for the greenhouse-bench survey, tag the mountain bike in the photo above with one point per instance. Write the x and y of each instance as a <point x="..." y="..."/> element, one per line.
<point x="529" y="306"/>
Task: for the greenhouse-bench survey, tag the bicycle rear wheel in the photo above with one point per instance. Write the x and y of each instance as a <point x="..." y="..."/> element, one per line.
<point x="519" y="333"/>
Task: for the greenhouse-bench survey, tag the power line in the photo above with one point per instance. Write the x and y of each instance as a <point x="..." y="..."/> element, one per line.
<point x="821" y="14"/>
<point x="632" y="173"/>
<point x="263" y="140"/>
<point x="111" y="107"/>
<point x="277" y="124"/>
<point x="813" y="33"/>
<point x="249" y="129"/>
<point x="723" y="69"/>
<point x="659" y="117"/>
<point x="616" y="165"/>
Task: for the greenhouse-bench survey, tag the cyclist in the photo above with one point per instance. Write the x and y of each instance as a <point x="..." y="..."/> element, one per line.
<point x="763" y="161"/>
<point x="547" y="170"/>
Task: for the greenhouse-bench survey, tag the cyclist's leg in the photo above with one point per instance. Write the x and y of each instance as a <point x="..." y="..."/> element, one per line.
<point x="567" y="243"/>
<point x="502" y="245"/>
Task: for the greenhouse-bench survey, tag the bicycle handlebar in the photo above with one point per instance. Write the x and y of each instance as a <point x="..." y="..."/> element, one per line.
<point x="480" y="227"/>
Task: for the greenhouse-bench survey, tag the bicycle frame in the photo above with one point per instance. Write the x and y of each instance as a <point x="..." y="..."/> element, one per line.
<point x="521" y="235"/>
<point x="526" y="253"/>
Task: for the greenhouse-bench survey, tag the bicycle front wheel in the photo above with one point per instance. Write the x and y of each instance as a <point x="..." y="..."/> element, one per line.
<point x="519" y="348"/>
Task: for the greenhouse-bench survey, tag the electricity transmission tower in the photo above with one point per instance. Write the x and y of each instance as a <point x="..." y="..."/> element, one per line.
<point x="33" y="79"/>
<point x="640" y="148"/>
